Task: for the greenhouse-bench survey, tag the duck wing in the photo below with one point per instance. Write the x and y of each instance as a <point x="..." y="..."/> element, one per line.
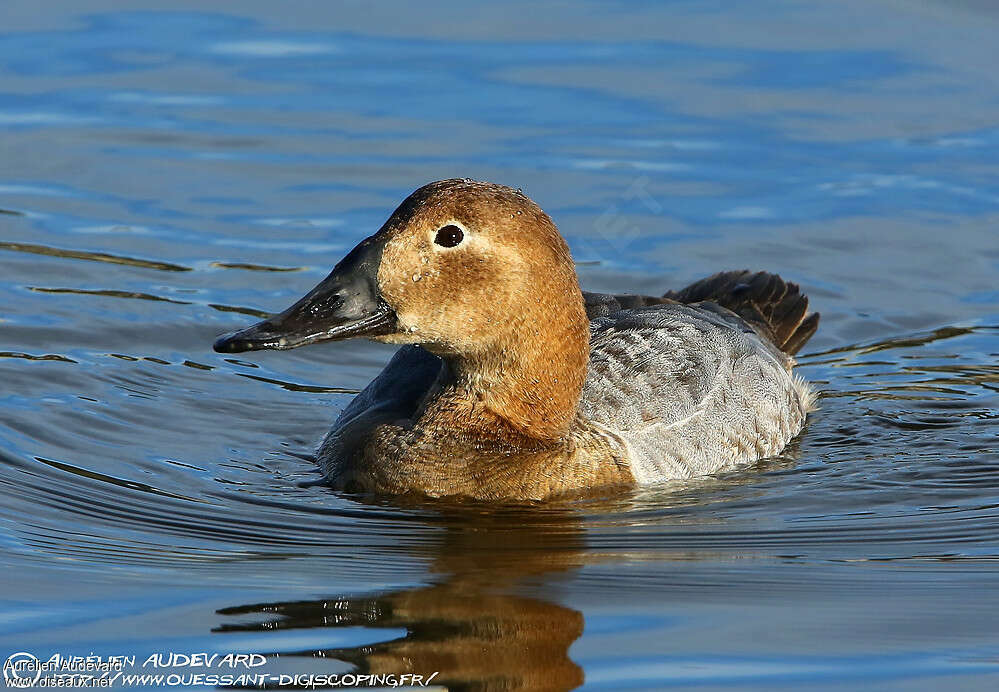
<point x="603" y="304"/>
<point x="690" y="389"/>
<point x="776" y="308"/>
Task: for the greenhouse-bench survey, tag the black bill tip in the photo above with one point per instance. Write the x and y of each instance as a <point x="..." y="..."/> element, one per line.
<point x="255" y="338"/>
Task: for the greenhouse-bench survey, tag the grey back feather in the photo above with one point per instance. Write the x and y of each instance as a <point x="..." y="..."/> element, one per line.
<point x="690" y="390"/>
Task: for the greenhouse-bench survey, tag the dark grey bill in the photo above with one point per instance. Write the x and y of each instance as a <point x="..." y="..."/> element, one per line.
<point x="345" y="304"/>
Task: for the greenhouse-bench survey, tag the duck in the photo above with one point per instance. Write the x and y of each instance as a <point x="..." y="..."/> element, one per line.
<point x="514" y="385"/>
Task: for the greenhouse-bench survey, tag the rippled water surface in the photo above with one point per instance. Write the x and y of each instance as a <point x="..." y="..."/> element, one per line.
<point x="169" y="171"/>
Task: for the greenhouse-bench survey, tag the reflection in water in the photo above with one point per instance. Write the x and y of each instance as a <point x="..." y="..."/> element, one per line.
<point x="31" y="356"/>
<point x="940" y="334"/>
<point x="34" y="249"/>
<point x="914" y="375"/>
<point x="241" y="310"/>
<point x="108" y="293"/>
<point x="476" y="624"/>
<point x="469" y="625"/>
<point x="295" y="387"/>
<point x="254" y="267"/>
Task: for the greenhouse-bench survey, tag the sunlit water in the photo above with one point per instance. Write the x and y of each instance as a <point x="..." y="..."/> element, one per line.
<point x="168" y="174"/>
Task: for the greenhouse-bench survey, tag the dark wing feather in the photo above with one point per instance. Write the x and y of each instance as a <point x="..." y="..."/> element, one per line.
<point x="776" y="308"/>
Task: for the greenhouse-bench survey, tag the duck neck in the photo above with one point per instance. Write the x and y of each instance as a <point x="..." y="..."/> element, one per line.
<point x="523" y="391"/>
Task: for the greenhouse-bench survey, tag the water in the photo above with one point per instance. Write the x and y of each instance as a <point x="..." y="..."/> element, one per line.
<point x="169" y="172"/>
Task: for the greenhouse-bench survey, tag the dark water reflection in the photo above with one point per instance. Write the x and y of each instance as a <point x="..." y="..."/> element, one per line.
<point x="466" y="625"/>
<point x="169" y="173"/>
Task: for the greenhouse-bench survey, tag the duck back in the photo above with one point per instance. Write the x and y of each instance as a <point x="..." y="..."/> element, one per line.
<point x="690" y="390"/>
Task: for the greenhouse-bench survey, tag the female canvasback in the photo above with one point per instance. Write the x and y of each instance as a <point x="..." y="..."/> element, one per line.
<point x="515" y="385"/>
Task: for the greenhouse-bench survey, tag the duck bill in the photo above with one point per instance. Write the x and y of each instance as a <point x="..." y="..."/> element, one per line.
<point x="345" y="304"/>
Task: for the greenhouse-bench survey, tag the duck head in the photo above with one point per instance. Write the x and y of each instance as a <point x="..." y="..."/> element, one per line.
<point x="474" y="272"/>
<point x="452" y="269"/>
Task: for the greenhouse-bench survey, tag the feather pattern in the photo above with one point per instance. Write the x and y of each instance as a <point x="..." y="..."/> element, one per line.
<point x="691" y="390"/>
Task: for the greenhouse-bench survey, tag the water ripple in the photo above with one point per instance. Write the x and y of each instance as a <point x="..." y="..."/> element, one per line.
<point x="92" y="256"/>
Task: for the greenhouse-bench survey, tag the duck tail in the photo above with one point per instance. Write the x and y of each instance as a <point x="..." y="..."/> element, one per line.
<point x="775" y="307"/>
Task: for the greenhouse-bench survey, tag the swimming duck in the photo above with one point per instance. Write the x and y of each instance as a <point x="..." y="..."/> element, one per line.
<point x="512" y="384"/>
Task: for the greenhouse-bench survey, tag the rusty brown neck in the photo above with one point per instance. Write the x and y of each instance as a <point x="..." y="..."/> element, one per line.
<point x="523" y="391"/>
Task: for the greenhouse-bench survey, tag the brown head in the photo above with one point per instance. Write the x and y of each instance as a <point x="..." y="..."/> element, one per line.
<point x="476" y="273"/>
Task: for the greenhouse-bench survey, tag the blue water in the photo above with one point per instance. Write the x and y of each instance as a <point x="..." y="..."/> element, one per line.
<point x="170" y="171"/>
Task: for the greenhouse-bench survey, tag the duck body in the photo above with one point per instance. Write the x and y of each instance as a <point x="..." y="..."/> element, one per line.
<point x="672" y="391"/>
<point x="512" y="384"/>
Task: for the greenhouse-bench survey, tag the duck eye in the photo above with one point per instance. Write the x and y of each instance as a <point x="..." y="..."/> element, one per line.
<point x="449" y="236"/>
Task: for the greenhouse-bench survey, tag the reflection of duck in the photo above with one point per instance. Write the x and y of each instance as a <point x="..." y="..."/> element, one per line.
<point x="468" y="627"/>
<point x="518" y="386"/>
